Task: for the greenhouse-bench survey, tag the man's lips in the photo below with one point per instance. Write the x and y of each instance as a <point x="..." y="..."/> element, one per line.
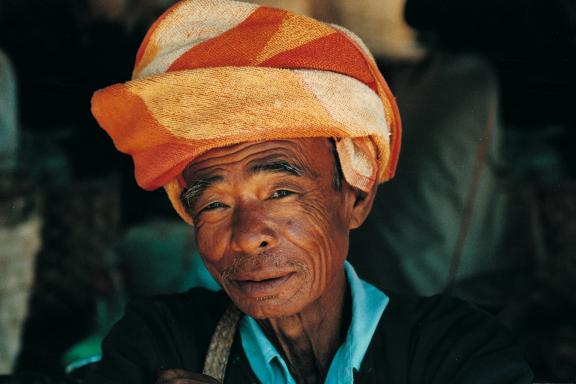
<point x="262" y="284"/>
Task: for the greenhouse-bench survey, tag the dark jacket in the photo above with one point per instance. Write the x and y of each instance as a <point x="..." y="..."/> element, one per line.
<point x="419" y="340"/>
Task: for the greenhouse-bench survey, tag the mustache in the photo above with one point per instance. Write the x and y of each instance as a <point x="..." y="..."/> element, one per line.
<point x="250" y="263"/>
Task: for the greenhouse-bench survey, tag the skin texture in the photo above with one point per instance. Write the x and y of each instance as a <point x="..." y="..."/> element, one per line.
<point x="273" y="229"/>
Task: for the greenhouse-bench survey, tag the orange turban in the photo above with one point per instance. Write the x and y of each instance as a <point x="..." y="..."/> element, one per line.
<point x="212" y="73"/>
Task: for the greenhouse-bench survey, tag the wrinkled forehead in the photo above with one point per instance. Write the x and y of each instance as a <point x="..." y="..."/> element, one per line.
<point x="308" y="155"/>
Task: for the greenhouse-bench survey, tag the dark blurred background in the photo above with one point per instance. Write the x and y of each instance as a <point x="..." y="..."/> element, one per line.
<point x="483" y="206"/>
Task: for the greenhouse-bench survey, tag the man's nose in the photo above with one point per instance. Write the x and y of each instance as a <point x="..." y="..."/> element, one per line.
<point x="251" y="231"/>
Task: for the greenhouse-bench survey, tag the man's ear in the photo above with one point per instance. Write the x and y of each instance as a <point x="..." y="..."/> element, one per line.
<point x="363" y="202"/>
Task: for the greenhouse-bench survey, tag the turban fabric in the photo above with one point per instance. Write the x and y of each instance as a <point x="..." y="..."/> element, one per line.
<point x="212" y="73"/>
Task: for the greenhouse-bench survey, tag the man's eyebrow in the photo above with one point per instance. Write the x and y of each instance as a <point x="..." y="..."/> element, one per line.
<point x="278" y="166"/>
<point x="194" y="190"/>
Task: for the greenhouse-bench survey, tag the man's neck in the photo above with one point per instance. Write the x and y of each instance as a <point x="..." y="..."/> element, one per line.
<point x="309" y="340"/>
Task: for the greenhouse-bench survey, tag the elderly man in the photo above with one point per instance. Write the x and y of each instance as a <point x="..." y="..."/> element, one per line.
<point x="270" y="132"/>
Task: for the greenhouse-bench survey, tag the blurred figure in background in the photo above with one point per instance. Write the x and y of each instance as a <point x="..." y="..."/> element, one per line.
<point x="19" y="226"/>
<point x="8" y="116"/>
<point x="81" y="45"/>
<point x="532" y="45"/>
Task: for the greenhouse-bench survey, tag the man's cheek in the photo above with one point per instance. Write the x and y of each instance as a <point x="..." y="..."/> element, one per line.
<point x="310" y="228"/>
<point x="210" y="246"/>
<point x="214" y="271"/>
<point x="213" y="262"/>
<point x="308" y="244"/>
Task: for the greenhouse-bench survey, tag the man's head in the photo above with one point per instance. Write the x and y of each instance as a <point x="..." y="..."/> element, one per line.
<point x="272" y="221"/>
<point x="219" y="83"/>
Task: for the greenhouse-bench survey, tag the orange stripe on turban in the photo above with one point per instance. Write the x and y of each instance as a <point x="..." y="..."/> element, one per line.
<point x="212" y="73"/>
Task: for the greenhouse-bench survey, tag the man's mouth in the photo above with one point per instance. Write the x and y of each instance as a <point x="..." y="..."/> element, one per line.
<point x="262" y="285"/>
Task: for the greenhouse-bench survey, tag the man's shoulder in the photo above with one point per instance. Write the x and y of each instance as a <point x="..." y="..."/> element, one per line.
<point x="196" y="295"/>
<point x="160" y="331"/>
<point x="439" y="314"/>
<point x="448" y="338"/>
<point x="197" y="305"/>
<point x="421" y="309"/>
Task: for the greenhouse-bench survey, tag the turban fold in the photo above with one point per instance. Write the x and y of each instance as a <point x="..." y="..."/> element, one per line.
<point x="212" y="73"/>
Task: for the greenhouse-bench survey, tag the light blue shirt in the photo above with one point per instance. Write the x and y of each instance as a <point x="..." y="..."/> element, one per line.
<point x="368" y="304"/>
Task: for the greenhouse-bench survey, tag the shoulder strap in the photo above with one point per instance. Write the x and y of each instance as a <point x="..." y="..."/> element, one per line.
<point x="220" y="344"/>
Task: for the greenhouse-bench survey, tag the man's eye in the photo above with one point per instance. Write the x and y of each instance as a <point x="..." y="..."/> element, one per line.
<point x="281" y="193"/>
<point x="212" y="206"/>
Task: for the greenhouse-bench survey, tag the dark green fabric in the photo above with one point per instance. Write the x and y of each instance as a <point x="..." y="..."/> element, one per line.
<point x="419" y="341"/>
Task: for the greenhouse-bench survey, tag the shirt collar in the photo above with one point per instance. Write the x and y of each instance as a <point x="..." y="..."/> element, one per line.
<point x="368" y="304"/>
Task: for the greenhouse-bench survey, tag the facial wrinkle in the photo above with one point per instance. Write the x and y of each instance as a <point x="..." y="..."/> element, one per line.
<point x="277" y="166"/>
<point x="320" y="215"/>
<point x="284" y="160"/>
<point x="215" y="156"/>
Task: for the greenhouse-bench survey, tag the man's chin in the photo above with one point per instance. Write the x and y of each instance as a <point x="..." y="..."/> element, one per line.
<point x="263" y="305"/>
<point x="268" y="307"/>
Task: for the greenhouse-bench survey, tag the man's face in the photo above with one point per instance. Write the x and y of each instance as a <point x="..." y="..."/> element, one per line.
<point x="270" y="224"/>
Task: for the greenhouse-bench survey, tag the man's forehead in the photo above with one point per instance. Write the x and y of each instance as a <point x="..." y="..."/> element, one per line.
<point x="298" y="152"/>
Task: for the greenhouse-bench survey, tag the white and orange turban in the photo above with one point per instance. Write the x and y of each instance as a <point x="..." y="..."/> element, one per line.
<point x="212" y="73"/>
